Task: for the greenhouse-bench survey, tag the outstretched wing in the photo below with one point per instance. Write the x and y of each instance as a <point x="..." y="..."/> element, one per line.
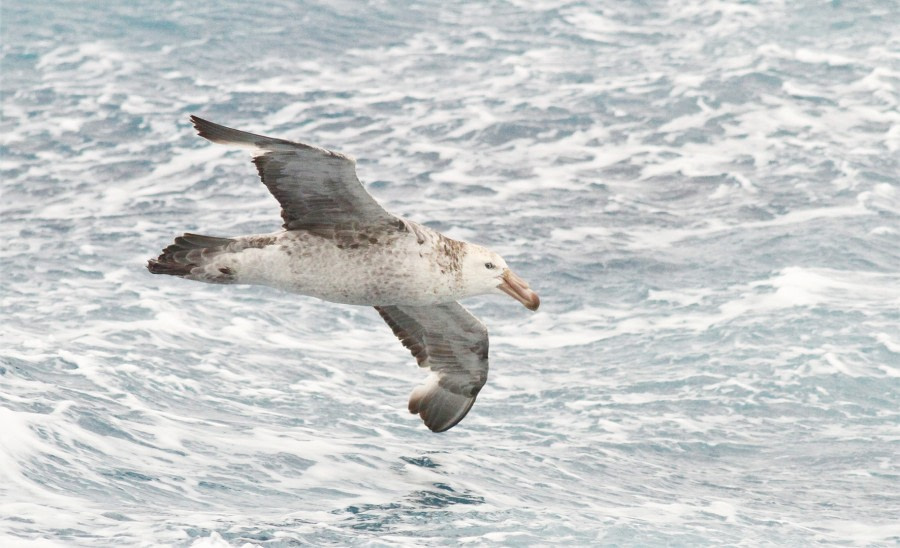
<point x="317" y="189"/>
<point x="452" y="343"/>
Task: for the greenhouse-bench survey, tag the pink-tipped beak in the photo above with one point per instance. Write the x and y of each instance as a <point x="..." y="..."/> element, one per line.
<point x="518" y="289"/>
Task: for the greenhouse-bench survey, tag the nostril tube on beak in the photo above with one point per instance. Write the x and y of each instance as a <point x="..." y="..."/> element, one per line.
<point x="518" y="289"/>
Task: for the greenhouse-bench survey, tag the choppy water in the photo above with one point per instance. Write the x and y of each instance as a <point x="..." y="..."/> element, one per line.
<point x="704" y="194"/>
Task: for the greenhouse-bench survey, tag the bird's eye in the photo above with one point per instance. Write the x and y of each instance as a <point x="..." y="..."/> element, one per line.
<point x="489" y="266"/>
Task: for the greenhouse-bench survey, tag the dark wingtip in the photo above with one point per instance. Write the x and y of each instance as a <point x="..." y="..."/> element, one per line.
<point x="225" y="135"/>
<point x="205" y="128"/>
<point x="434" y="414"/>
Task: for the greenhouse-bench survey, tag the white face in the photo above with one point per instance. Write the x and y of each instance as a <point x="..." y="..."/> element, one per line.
<point x="483" y="271"/>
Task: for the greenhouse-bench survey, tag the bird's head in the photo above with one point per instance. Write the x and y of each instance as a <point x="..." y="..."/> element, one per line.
<point x="486" y="272"/>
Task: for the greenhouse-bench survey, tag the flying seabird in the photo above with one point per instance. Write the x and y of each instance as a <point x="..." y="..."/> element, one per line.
<point x="340" y="245"/>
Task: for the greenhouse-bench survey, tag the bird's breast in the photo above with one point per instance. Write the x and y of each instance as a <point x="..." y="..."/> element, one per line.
<point x="371" y="269"/>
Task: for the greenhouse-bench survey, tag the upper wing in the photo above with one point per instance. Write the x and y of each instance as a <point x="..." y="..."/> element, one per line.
<point x="451" y="342"/>
<point x="317" y="188"/>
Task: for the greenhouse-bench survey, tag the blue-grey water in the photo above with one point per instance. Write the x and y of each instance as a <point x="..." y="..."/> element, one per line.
<point x="706" y="195"/>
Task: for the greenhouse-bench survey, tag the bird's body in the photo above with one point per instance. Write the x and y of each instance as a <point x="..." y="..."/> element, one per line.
<point x="339" y="245"/>
<point x="364" y="269"/>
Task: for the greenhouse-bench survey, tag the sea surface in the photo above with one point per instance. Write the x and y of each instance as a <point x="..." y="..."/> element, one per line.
<point x="706" y="195"/>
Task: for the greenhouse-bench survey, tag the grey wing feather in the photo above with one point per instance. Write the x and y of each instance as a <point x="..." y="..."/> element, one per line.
<point x="452" y="343"/>
<point x="317" y="189"/>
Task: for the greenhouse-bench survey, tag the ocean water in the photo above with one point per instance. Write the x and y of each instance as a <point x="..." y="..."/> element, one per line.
<point x="706" y="195"/>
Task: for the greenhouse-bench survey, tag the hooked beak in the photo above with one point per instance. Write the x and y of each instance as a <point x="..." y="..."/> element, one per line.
<point x="518" y="289"/>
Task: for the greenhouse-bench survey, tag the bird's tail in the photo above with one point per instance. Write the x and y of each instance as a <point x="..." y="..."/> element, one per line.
<point x="192" y="256"/>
